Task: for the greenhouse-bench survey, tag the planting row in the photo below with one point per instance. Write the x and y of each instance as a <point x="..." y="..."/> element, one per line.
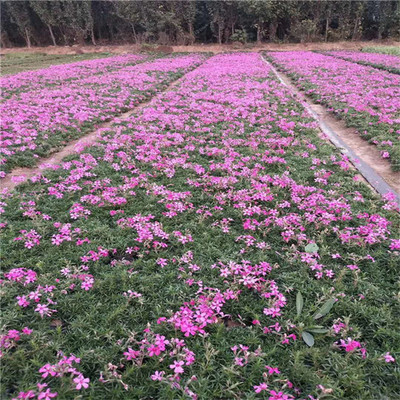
<point x="211" y="247"/>
<point x="37" y="122"/>
<point x="387" y="62"/>
<point x="60" y="74"/>
<point x="366" y="98"/>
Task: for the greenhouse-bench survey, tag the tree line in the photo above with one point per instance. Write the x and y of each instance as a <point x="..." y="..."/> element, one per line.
<point x="184" y="22"/>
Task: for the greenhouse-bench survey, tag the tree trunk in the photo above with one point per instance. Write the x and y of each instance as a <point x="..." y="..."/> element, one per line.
<point x="326" y="29"/>
<point x="53" y="39"/>
<point x="355" y="30"/>
<point x="79" y="36"/>
<point x="92" y="36"/>
<point x="111" y="31"/>
<point x="64" y="36"/>
<point x="134" y="33"/>
<point x="99" y="33"/>
<point x="272" y="31"/>
<point x="227" y="34"/>
<point x="219" y="34"/>
<point x="27" y="38"/>
<point x="380" y="31"/>
<point x="3" y="41"/>
<point x="191" y="33"/>
<point x="258" y="33"/>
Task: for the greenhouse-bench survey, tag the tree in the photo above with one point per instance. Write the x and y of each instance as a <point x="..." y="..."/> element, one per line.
<point x="20" y="15"/>
<point x="184" y="21"/>
<point x="130" y="12"/>
<point x="224" y="15"/>
<point x="50" y="13"/>
<point x="77" y="18"/>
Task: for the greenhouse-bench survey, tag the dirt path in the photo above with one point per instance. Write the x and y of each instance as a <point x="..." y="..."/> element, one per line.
<point x="213" y="48"/>
<point x="20" y="175"/>
<point x="365" y="157"/>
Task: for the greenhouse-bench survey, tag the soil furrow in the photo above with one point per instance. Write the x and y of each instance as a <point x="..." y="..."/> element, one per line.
<point x="364" y="156"/>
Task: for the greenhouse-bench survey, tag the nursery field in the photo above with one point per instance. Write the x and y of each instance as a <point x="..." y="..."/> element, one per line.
<point x="364" y="97"/>
<point x="211" y="245"/>
<point x="12" y="63"/>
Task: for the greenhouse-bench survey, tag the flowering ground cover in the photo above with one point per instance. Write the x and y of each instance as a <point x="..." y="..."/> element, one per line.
<point x="39" y="119"/>
<point x="364" y="97"/>
<point x="387" y="62"/>
<point x="60" y="74"/>
<point x="210" y="247"/>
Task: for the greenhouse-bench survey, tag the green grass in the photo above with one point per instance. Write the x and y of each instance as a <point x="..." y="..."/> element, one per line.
<point x="394" y="50"/>
<point x="12" y="63"/>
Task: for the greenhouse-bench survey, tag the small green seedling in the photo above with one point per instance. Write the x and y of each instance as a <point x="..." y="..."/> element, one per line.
<point x="311" y="248"/>
<point x="307" y="331"/>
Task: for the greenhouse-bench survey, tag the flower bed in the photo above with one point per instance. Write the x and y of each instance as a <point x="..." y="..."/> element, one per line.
<point x="365" y="98"/>
<point x="60" y="74"/>
<point x="210" y="247"/>
<point x="37" y="122"/>
<point x="387" y="62"/>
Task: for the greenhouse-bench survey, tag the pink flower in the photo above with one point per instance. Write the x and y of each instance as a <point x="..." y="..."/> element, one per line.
<point x="177" y="367"/>
<point x="47" y="395"/>
<point x="157" y="376"/>
<point x="81" y="382"/>
<point x="131" y="354"/>
<point x="260" y="387"/>
<point x="26" y="331"/>
<point x="30" y="394"/>
<point x="43" y="310"/>
<point x="351" y="345"/>
<point x="46" y="370"/>
<point x="272" y="370"/>
<point x="388" y="357"/>
<point x="279" y="396"/>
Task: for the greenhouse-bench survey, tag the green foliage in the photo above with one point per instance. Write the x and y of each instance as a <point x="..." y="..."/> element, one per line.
<point x="184" y="22"/>
<point x="240" y="36"/>
<point x="306" y="328"/>
<point x="394" y="50"/>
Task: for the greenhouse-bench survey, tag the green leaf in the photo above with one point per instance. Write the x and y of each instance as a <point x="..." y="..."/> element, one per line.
<point x="308" y="339"/>
<point x="299" y="303"/>
<point x="318" y="330"/>
<point x="311" y="248"/>
<point x="324" y="309"/>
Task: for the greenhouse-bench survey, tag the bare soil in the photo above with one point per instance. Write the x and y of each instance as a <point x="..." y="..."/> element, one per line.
<point x="362" y="148"/>
<point x="212" y="48"/>
<point x="11" y="180"/>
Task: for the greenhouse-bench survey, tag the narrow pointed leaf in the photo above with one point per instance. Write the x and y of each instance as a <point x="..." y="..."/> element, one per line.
<point x="308" y="339"/>
<point x="299" y="303"/>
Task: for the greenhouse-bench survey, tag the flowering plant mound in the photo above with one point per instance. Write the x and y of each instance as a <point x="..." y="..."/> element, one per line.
<point x="57" y="75"/>
<point x="168" y="256"/>
<point x="62" y="103"/>
<point x="388" y="62"/>
<point x="366" y="98"/>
